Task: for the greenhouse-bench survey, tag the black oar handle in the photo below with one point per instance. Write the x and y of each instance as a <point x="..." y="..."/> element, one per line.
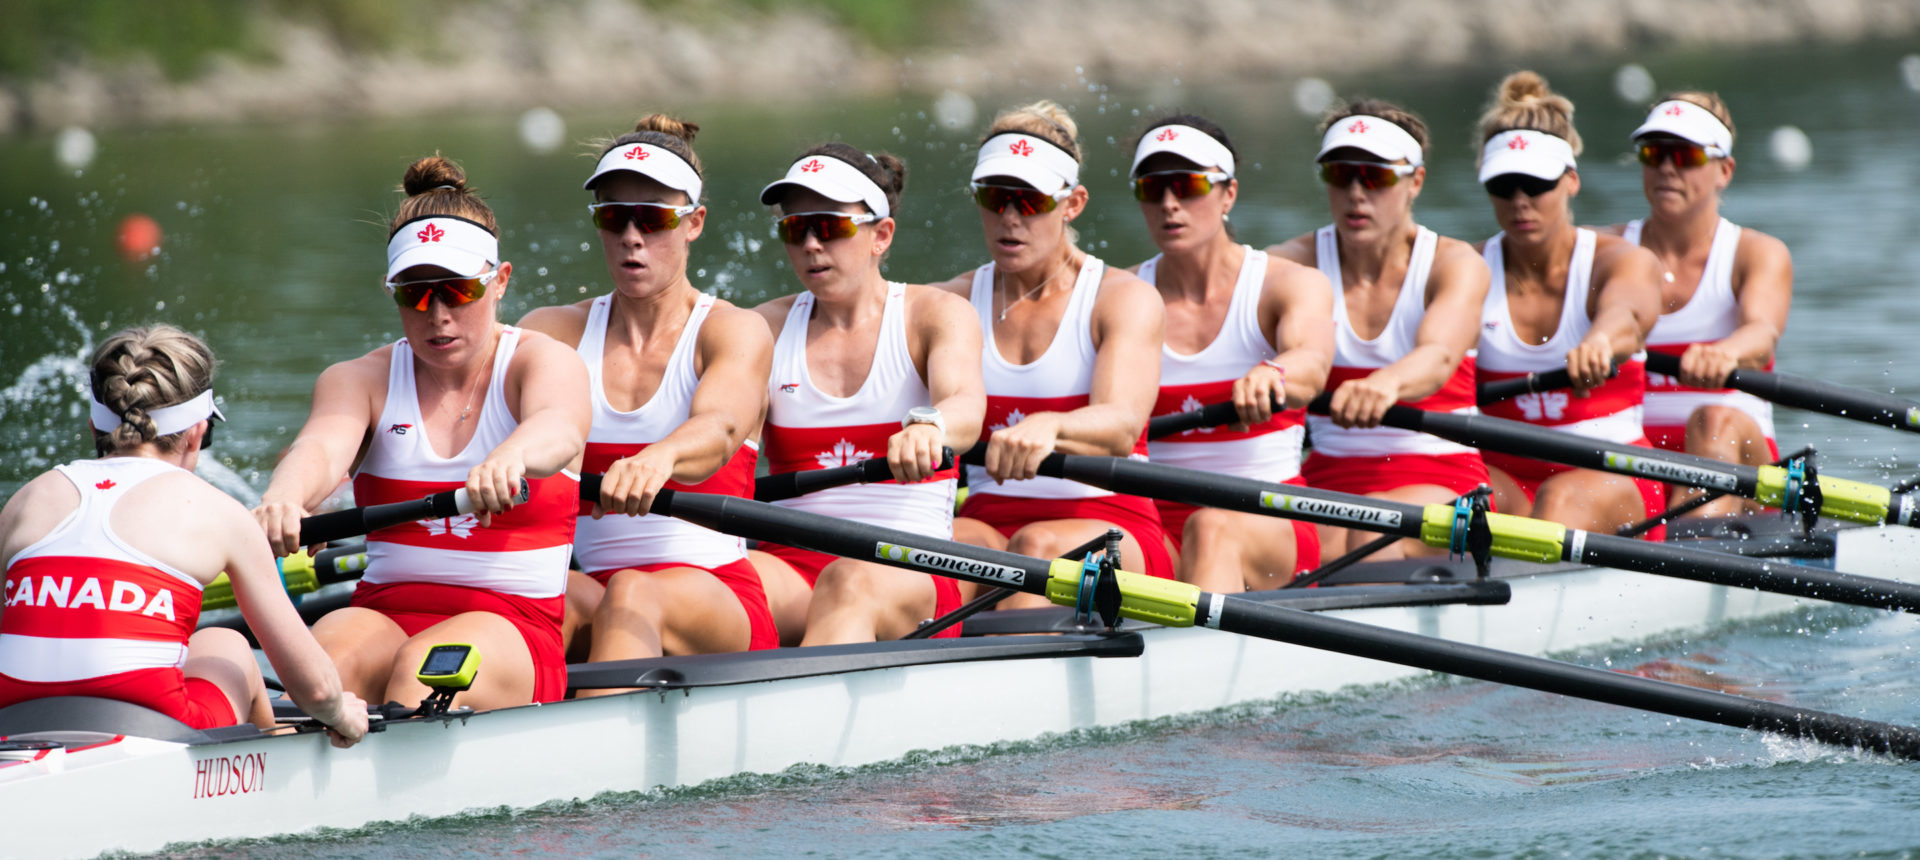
<point x="787" y="485"/>
<point x="354" y="522"/>
<point x="1532" y="383"/>
<point x="1812" y="395"/>
<point x="1210" y="415"/>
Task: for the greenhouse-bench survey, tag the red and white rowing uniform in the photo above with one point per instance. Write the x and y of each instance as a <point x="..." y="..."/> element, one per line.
<point x="1610" y="412"/>
<point x="1708" y="317"/>
<point x="1060" y="380"/>
<point x="84" y="613"/>
<point x="652" y="542"/>
<point x="1268" y="452"/>
<point x="1377" y="459"/>
<point x="809" y="429"/>
<point x="424" y="572"/>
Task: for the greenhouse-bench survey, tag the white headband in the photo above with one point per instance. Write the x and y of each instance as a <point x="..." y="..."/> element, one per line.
<point x="1534" y="153"/>
<point x="1186" y="142"/>
<point x="657" y="163"/>
<point x="833" y="179"/>
<point x="1689" y="122"/>
<point x="1028" y="159"/>
<point x="455" y="244"/>
<point x="167" y="420"/>
<point x="1373" y="134"/>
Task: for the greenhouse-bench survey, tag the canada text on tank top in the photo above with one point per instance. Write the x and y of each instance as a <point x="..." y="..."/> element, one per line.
<point x="1710" y="315"/>
<point x="524" y="552"/>
<point x="809" y="429"/>
<point x="1355" y="357"/>
<point x="615" y="542"/>
<point x="83" y="603"/>
<point x="1060" y="380"/>
<point x="1610" y="411"/>
<point x="1269" y="451"/>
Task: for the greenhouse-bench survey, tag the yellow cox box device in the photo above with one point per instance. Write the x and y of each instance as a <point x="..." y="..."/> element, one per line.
<point x="449" y="667"/>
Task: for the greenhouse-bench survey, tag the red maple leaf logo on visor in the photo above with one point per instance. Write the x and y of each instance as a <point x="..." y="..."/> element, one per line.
<point x="1167" y="134"/>
<point x="430" y="233"/>
<point x="638" y="154"/>
<point x="104" y="485"/>
<point x="1517" y="143"/>
<point x="1674" y="110"/>
<point x="1359" y="127"/>
<point x="812" y="166"/>
<point x="1020" y="148"/>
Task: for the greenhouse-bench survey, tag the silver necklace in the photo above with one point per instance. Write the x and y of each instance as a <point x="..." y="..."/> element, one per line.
<point x="474" y="387"/>
<point x="1030" y="293"/>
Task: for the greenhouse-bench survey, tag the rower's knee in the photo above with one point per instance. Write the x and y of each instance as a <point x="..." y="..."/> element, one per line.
<point x="1719" y="431"/>
<point x="630" y="593"/>
<point x="1039" y="542"/>
<point x="1211" y="530"/>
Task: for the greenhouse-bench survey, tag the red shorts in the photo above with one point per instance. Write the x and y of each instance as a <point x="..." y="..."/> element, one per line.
<point x="1675" y="439"/>
<point x="807" y="563"/>
<point x="740" y="578"/>
<point x="1134" y="515"/>
<point x="1530" y="474"/>
<point x="1459" y="473"/>
<point x="1306" y="537"/>
<point x="197" y="702"/>
<point x="416" y="606"/>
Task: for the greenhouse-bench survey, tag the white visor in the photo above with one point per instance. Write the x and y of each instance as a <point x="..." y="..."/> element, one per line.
<point x="1372" y="134"/>
<point x="455" y="244"/>
<point x="1525" y="151"/>
<point x="1689" y="122"/>
<point x="1186" y="142"/>
<point x="830" y="178"/>
<point x="167" y="420"/>
<point x="1029" y="159"/>
<point x="655" y="163"/>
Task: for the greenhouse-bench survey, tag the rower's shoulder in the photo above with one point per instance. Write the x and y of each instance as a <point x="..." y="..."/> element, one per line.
<point x="1761" y="248"/>
<point x="1610" y="229"/>
<point x="731" y="326"/>
<point x="34" y="510"/>
<point x="960" y="285"/>
<point x="1119" y="287"/>
<point x="1609" y="249"/>
<point x="773" y="312"/>
<point x="1458" y="257"/>
<point x="935" y="303"/>
<point x="368" y="370"/>
<point x="565" y="323"/>
<point x="1300" y="249"/>
<point x="1285" y="274"/>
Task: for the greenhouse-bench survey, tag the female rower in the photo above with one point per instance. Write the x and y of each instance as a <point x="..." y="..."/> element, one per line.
<point x="461" y="400"/>
<point x="1560" y="296"/>
<point x="1241" y="326"/>
<point x="106" y="560"/>
<point x="676" y="377"/>
<point x="1405" y="305"/>
<point x="864" y="367"/>
<point x="1072" y="354"/>
<point x="1724" y="289"/>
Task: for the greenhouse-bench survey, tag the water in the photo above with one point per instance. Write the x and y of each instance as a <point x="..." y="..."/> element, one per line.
<point x="273" y="250"/>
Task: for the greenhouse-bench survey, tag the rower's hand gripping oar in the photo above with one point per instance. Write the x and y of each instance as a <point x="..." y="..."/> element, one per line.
<point x="1812" y="395"/>
<point x="1532" y="383"/>
<point x="788" y="485"/>
<point x="1177" y="604"/>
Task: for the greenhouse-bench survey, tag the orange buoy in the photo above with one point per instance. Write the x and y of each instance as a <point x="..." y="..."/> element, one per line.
<point x="139" y="237"/>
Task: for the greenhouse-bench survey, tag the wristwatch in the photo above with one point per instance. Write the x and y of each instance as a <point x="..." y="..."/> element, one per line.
<point x="925" y="415"/>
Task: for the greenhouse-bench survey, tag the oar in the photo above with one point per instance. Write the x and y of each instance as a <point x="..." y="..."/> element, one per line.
<point x="300" y="573"/>
<point x="1177" y="604"/>
<point x="787" y="485"/>
<point x="1812" y="395"/>
<point x="1532" y="383"/>
<point x="1216" y="414"/>
<point x="1513" y="537"/>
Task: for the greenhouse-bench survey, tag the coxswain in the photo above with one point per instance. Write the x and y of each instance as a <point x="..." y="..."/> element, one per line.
<point x="461" y="400"/>
<point x="1406" y="307"/>
<point x="863" y="367"/>
<point x="106" y="560"/>
<point x="1241" y="326"/>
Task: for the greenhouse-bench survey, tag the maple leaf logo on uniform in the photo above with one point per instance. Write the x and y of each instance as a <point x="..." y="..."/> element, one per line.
<point x="1021" y="148"/>
<point x="460" y="526"/>
<point x="104" y="485"/>
<point x="1359" y="127"/>
<point x="1014" y="417"/>
<point x="812" y="166"/>
<point x="430" y="233"/>
<point x="844" y="453"/>
<point x="638" y="154"/>
<point x="1168" y="134"/>
<point x="1551" y="404"/>
<point x="1191" y="404"/>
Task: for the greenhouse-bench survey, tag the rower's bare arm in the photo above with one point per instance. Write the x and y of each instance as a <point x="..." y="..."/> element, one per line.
<point x="736" y="351"/>
<point x="548" y="393"/>
<point x="951" y="331"/>
<point x="1301" y="302"/>
<point x="774" y="312"/>
<point x="1763" y="286"/>
<point x="1625" y="303"/>
<point x="1129" y="326"/>
<point x="344" y="410"/>
<point x="1457" y="290"/>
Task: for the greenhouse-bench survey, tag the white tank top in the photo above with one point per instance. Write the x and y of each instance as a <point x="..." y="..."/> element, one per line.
<point x="1610" y="411"/>
<point x="83" y="603"/>
<point x="1060" y="380"/>
<point x="1355" y="357"/>
<point x="526" y="550"/>
<point x="1712" y="313"/>
<point x="1268" y="452"/>
<point x="618" y="541"/>
<point x="810" y="429"/>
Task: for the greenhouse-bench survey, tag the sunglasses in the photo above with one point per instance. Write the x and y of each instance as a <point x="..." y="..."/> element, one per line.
<point x="1027" y="201"/>
<point x="206" y="441"/>
<point x="1506" y="185"/>
<point x="1683" y="154"/>
<point x="1372" y="175"/>
<point x="649" y="217"/>
<point x="793" y="229"/>
<point x="453" y="292"/>
<point x="1184" y="184"/>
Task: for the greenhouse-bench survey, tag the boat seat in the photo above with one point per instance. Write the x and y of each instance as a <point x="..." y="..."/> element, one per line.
<point x="61" y="715"/>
